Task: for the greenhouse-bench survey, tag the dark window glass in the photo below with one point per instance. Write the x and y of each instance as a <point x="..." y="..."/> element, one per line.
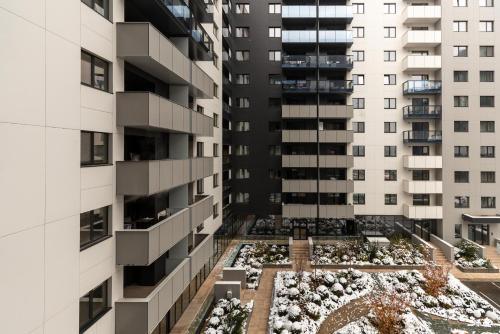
<point x="390" y="175"/>
<point x="461" y="201"/>
<point x="421" y="199"/>
<point x="94" y="148"/>
<point x="461" y="177"/>
<point x="460" y="76"/>
<point x="486" y="101"/>
<point x="358" y="198"/>
<point x="358" y="150"/>
<point x="487" y="126"/>
<point x="461" y="151"/>
<point x="391" y="199"/>
<point x="390" y="151"/>
<point x="488" y="202"/>
<point x="100" y="6"/>
<point x="461" y="126"/>
<point x="420" y="175"/>
<point x="487" y="151"/>
<point x="93" y="226"/>
<point x="94" y="305"/>
<point x="358" y="174"/>
<point x="420" y="150"/>
<point x="488" y="177"/>
<point x="94" y="71"/>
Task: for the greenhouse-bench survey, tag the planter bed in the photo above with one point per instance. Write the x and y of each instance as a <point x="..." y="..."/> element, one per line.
<point x="228" y="316"/>
<point x="491" y="270"/>
<point x="411" y="324"/>
<point x="368" y="266"/>
<point x="468" y="260"/>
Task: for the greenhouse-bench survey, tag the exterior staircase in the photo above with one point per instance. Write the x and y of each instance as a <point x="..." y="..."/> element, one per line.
<point x="300" y="254"/>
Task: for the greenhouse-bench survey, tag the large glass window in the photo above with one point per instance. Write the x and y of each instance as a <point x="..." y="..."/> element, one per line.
<point x="93" y="226"/>
<point x="94" y="305"/>
<point x="100" y="6"/>
<point x="94" y="148"/>
<point x="94" y="71"/>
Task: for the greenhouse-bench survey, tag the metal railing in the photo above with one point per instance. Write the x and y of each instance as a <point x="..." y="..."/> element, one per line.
<point x="434" y="136"/>
<point x="422" y="87"/>
<point x="422" y="111"/>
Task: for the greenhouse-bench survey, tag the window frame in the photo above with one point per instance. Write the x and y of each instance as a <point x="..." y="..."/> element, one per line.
<point x="91" y="223"/>
<point x="94" y="317"/>
<point x="107" y="76"/>
<point x="93" y="162"/>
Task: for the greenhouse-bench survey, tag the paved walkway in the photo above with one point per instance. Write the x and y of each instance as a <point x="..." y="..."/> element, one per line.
<point x="262" y="302"/>
<point x="344" y="315"/>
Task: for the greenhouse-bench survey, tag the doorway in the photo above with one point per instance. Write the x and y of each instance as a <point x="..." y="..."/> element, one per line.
<point x="479" y="233"/>
<point x="299" y="231"/>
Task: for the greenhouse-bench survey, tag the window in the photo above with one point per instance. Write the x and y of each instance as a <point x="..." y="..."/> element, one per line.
<point x="200" y="187"/>
<point x="358" y="199"/>
<point x="420" y="175"/>
<point x="358" y="103"/>
<point x="486" y="3"/>
<point x="275" y="79"/>
<point x="274" y="32"/>
<point x="99" y="6"/>
<point x="358" y="32"/>
<point x="242" y="102"/>
<point x="390" y="151"/>
<point x="216" y="120"/>
<point x="243" y="79"/>
<point x="461" y="151"/>
<point x="216" y="90"/>
<point x="460" y="76"/>
<point x="486" y="76"/>
<point x="460" y="51"/>
<point x="215" y="150"/>
<point x="358" y="8"/>
<point x="487" y="151"/>
<point x="216" y="30"/>
<point x="358" y="150"/>
<point x="389" y="8"/>
<point x="389" y="103"/>
<point x="358" y="174"/>
<point x="274" y="174"/>
<point x="215" y="210"/>
<point x="389" y="79"/>
<point x="358" y="79"/>
<point x="242" y="150"/>
<point x="486" y="51"/>
<point x="487" y="126"/>
<point x="486" y="101"/>
<point x="274" y="55"/>
<point x="242" y="173"/>
<point x="94" y="72"/>
<point x="94" y="304"/>
<point x="242" y="8"/>
<point x="390" y="175"/>
<point x="358" y="127"/>
<point x="461" y="126"/>
<point x="200" y="149"/>
<point x="275" y="150"/>
<point x="358" y="56"/>
<point x="421" y="199"/>
<point x="461" y="202"/>
<point x="389" y="127"/>
<point x="242" y="32"/>
<point x="389" y="32"/>
<point x="461" y="177"/>
<point x="459" y="26"/>
<point x="94" y="148"/>
<point x="241" y="126"/>
<point x="458" y="231"/>
<point x="391" y="199"/>
<point x="486" y="26"/>
<point x="488" y="202"/>
<point x="461" y="101"/>
<point x="243" y="55"/>
<point x="460" y="3"/>
<point x="487" y="177"/>
<point x="215" y="60"/>
<point x="216" y="180"/>
<point x="420" y="150"/>
<point x="274" y="8"/>
<point x="242" y="198"/>
<point x="389" y="55"/>
<point x="93" y="226"/>
<point x="275" y="198"/>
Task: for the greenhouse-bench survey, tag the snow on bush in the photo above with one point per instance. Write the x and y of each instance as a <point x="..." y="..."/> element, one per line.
<point x="318" y="295"/>
<point x="228" y="316"/>
<point x="252" y="257"/>
<point x="410" y="324"/>
<point x="466" y="256"/>
<point x="455" y="301"/>
<point x="399" y="252"/>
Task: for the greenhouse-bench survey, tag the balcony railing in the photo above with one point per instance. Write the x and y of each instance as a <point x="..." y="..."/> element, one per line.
<point x="298" y="61"/>
<point x="309" y="36"/>
<point x="327" y="61"/>
<point x="422" y="111"/>
<point x="335" y="61"/>
<point x="322" y="86"/>
<point x="329" y="12"/>
<point x="422" y="87"/>
<point x="435" y="136"/>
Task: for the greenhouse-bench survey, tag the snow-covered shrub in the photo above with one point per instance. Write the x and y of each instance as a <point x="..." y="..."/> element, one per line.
<point x="228" y="316"/>
<point x="466" y="255"/>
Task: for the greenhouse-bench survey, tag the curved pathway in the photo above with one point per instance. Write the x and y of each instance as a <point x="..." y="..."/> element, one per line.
<point x="341" y="317"/>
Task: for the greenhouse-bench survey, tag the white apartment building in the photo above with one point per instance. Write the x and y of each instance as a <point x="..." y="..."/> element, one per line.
<point x="110" y="177"/>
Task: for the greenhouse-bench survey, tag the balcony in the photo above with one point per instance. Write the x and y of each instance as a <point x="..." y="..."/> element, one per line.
<point x="421" y="63"/>
<point x="309" y="36"/>
<point x="143" y="46"/>
<point x="422" y="112"/>
<point x="226" y="108"/>
<point x="203" y="250"/>
<point x="312" y="86"/>
<point x="422" y="14"/>
<point x="343" y="13"/>
<point x="148" y="177"/>
<point x="423" y="187"/>
<point x="422" y="38"/>
<point x="298" y="61"/>
<point x="336" y="62"/>
<point x="422" y="87"/>
<point x="325" y="211"/>
<point x="430" y="137"/>
<point x="423" y="162"/>
<point x="325" y="62"/>
<point x="142" y="308"/>
<point x="325" y="186"/>
<point x="146" y="110"/>
<point x="310" y="136"/>
<point x="200" y="210"/>
<point x="422" y="212"/>
<point x="310" y="111"/>
<point x="325" y="161"/>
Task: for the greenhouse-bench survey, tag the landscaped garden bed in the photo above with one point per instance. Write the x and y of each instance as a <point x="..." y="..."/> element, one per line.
<point x="409" y="324"/>
<point x="228" y="316"/>
<point x="254" y="257"/>
<point x="400" y="253"/>
<point x="468" y="260"/>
